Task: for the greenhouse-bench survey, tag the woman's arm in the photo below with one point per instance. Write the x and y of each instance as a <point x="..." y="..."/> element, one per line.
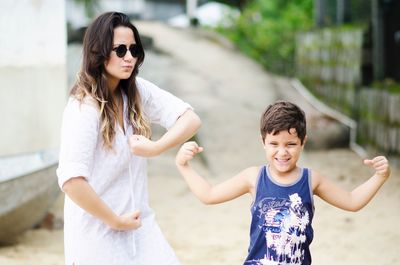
<point x="234" y="187"/>
<point x="80" y="192"/>
<point x="79" y="136"/>
<point x="360" y="196"/>
<point x="184" y="128"/>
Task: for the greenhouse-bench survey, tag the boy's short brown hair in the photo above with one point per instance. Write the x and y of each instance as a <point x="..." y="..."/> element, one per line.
<point x="283" y="115"/>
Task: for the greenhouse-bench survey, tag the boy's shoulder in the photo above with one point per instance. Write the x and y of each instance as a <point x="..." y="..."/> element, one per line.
<point x="253" y="170"/>
<point x="314" y="173"/>
<point x="252" y="173"/>
<point x="316" y="178"/>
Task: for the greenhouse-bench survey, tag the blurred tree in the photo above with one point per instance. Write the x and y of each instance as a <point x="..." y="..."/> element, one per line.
<point x="236" y="3"/>
<point x="343" y="11"/>
<point x="266" y="31"/>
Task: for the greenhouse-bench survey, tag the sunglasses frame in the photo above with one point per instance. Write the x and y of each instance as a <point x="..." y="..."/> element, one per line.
<point x="122" y="49"/>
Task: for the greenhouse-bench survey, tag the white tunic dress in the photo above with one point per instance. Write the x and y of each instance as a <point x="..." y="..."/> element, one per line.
<point x="119" y="178"/>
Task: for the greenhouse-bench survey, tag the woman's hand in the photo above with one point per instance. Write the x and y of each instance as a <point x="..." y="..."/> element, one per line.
<point x="142" y="146"/>
<point x="128" y="221"/>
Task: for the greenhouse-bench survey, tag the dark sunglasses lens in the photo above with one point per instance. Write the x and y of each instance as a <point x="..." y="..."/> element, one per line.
<point x="121" y="51"/>
<point x="135" y="50"/>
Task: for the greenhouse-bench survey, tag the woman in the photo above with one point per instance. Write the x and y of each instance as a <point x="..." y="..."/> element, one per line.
<point x="105" y="138"/>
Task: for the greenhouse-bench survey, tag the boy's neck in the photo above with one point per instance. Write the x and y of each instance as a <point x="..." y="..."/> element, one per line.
<point x="287" y="177"/>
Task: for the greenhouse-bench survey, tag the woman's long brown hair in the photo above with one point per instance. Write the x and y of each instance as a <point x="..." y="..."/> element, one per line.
<point x="92" y="81"/>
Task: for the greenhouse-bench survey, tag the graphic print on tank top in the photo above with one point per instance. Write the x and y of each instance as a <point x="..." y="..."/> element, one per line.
<point x="281" y="225"/>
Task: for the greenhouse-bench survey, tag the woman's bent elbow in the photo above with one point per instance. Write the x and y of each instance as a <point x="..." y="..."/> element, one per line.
<point x="69" y="185"/>
<point x="195" y="121"/>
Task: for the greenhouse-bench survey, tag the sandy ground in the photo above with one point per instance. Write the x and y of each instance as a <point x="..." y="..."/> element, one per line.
<point x="229" y="92"/>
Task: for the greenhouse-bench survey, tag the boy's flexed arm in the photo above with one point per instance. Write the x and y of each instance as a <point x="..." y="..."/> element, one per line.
<point x="238" y="185"/>
<point x="361" y="195"/>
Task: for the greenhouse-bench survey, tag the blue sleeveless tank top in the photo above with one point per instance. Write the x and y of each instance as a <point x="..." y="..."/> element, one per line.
<point x="281" y="230"/>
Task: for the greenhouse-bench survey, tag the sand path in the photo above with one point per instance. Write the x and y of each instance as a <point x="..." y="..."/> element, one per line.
<point x="229" y="91"/>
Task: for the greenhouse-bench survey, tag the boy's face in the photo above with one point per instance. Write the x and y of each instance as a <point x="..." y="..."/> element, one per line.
<point x="283" y="151"/>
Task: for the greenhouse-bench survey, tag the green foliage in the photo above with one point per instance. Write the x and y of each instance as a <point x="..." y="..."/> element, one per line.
<point x="389" y="85"/>
<point x="236" y="3"/>
<point x="266" y="31"/>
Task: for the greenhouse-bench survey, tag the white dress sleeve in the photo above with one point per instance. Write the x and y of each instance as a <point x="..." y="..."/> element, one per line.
<point x="160" y="106"/>
<point x="79" y="135"/>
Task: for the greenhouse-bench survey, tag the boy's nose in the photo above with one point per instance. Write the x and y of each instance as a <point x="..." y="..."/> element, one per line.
<point x="282" y="150"/>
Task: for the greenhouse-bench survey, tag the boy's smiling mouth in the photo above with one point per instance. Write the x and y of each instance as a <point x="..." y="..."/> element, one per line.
<point x="282" y="160"/>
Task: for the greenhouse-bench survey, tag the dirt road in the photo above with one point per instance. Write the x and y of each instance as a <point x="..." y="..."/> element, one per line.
<point x="229" y="92"/>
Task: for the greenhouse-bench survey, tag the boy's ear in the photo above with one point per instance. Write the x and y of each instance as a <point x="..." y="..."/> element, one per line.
<point x="262" y="141"/>
<point x="305" y="140"/>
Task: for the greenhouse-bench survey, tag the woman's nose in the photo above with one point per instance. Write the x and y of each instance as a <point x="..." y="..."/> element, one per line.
<point x="128" y="56"/>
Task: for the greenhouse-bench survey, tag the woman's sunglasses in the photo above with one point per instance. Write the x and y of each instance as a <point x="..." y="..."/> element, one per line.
<point x="121" y="50"/>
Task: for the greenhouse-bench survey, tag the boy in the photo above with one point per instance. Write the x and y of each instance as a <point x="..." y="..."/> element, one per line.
<point x="282" y="208"/>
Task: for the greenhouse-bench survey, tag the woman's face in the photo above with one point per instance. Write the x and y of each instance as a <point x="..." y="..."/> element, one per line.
<point x="116" y="67"/>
